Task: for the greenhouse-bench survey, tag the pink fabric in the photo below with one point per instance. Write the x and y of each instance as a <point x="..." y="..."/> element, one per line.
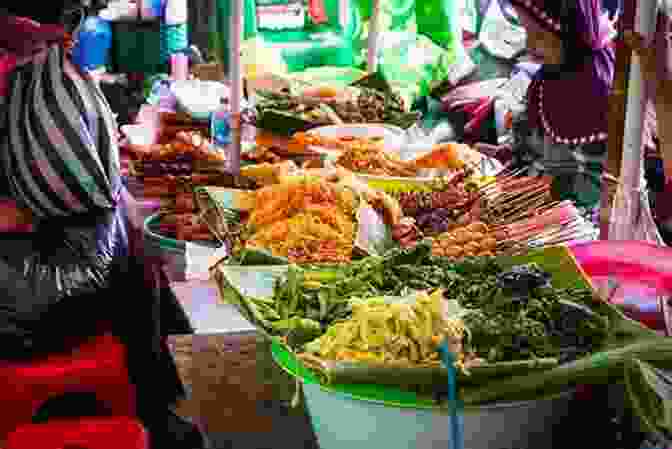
<point x="7" y="64"/>
<point x="643" y="274"/>
<point x="20" y="40"/>
<point x="598" y="29"/>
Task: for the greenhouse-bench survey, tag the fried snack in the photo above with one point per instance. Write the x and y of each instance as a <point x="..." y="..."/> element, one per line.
<point x="364" y="157"/>
<point x="474" y="239"/>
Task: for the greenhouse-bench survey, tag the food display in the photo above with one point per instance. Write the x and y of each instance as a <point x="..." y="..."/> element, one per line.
<point x="186" y="227"/>
<point x="262" y="155"/>
<point x="510" y="198"/>
<point x="406" y="233"/>
<point x="454" y="201"/>
<point x="385" y="331"/>
<point x="368" y="156"/>
<point x="306" y="220"/>
<point x="399" y="307"/>
<point x="188" y="152"/>
<point x="474" y="239"/>
<point x="308" y="139"/>
<point x="268" y="173"/>
<point x="559" y="223"/>
<point x="180" y="219"/>
<point x="303" y="109"/>
<point x="458" y="201"/>
<point x="473" y="270"/>
<point x="449" y="155"/>
<point x="365" y="157"/>
<point x="167" y="186"/>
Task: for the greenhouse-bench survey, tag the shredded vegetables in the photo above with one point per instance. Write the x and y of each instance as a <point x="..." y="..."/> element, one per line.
<point x="392" y="330"/>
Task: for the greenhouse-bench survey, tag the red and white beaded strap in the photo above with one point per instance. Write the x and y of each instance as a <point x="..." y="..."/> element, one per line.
<point x="599" y="137"/>
<point x="540" y="14"/>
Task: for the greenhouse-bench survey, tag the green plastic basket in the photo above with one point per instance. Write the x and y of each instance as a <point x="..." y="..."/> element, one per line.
<point x="171" y="251"/>
<point x="166" y="244"/>
<point x="352" y="416"/>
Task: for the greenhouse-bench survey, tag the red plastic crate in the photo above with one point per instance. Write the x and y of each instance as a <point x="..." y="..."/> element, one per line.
<point x="88" y="433"/>
<point x="98" y="367"/>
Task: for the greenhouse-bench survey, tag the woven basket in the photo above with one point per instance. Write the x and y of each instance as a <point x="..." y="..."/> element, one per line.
<point x="209" y="72"/>
<point x="237" y="382"/>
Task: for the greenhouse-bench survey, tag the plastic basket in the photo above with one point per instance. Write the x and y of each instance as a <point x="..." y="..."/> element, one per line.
<point x="352" y="416"/>
<point x="174" y="253"/>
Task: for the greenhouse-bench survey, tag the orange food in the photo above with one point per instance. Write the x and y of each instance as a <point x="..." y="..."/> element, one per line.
<point x="322" y="92"/>
<point x="442" y="156"/>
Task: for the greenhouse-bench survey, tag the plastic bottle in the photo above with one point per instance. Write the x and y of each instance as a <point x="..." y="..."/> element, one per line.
<point x="174" y="31"/>
<point x="93" y="44"/>
<point x="220" y="126"/>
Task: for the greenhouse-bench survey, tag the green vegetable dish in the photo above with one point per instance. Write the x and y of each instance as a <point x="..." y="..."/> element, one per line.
<point x="510" y="313"/>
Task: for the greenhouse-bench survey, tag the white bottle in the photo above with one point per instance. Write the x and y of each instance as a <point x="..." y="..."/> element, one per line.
<point x="177" y="12"/>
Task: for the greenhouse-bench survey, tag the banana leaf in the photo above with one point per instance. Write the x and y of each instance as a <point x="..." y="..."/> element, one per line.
<point x="649" y="390"/>
<point x="428" y="378"/>
<point x="627" y="341"/>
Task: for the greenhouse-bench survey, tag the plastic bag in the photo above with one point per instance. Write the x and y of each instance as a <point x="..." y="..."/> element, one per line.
<point x="40" y="270"/>
<point x="306" y="33"/>
<point x="413" y="65"/>
<point x="259" y="59"/>
<point x="420" y="43"/>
